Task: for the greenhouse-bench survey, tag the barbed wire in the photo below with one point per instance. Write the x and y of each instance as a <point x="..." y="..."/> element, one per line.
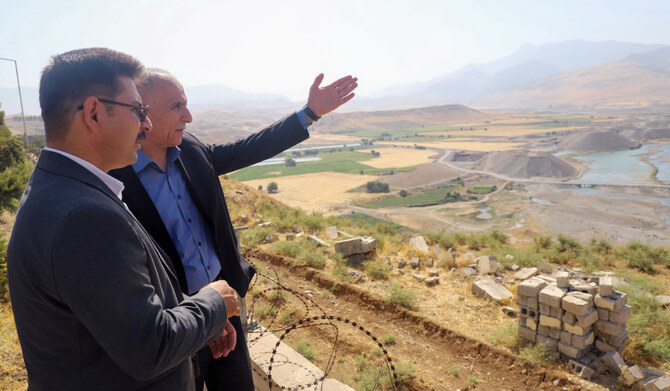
<point x="308" y="320"/>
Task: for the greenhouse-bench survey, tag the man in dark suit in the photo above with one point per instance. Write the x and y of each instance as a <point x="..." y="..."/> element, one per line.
<point x="175" y="192"/>
<point x="96" y="303"/>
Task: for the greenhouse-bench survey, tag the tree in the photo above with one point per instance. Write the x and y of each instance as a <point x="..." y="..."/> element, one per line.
<point x="15" y="167"/>
<point x="272" y="187"/>
<point x="403" y="193"/>
<point x="289" y="162"/>
<point x="377" y="187"/>
<point x="260" y="187"/>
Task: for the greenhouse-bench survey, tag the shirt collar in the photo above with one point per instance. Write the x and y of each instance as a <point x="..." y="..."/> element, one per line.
<point x="115" y="185"/>
<point x="143" y="160"/>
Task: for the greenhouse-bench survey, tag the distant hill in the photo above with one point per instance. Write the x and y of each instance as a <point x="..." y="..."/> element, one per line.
<point x="398" y="119"/>
<point x="529" y="64"/>
<point x="637" y="81"/>
<point x="524" y="164"/>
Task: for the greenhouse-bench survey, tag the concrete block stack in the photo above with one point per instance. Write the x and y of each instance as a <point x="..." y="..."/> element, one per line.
<point x="568" y="318"/>
<point x="613" y="313"/>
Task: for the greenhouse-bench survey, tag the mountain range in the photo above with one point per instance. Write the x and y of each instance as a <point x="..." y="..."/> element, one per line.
<point x="572" y="75"/>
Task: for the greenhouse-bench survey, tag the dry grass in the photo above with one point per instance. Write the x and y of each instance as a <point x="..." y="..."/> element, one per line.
<point x="399" y="157"/>
<point x="315" y="192"/>
<point x="12" y="370"/>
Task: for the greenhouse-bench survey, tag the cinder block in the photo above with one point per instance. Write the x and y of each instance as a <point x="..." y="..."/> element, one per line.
<point x="556" y="313"/>
<point x="545" y="309"/>
<point x="530" y="287"/>
<point x="663" y="383"/>
<point x="582" y="370"/>
<point x="610" y="328"/>
<point x="569" y="318"/>
<point x="616" y="340"/>
<point x="613" y="303"/>
<point x="543" y="330"/>
<point x="631" y="375"/>
<point x="550" y="343"/>
<point x="566" y="337"/>
<point x="577" y="329"/>
<point x="575" y="305"/>
<point x="555" y="333"/>
<point x="614" y="362"/>
<point x="527" y="334"/>
<point x="550" y="322"/>
<point x="603" y="314"/>
<point x="529" y="313"/>
<point x="586" y="296"/>
<point x="606" y="286"/>
<point x="582" y="342"/>
<point x="532" y="303"/>
<point x="525" y="273"/>
<point x="622" y="316"/>
<point x="588" y="319"/>
<point x="604" y="346"/>
<point x="522" y="301"/>
<point x="590" y="289"/>
<point x="531" y="324"/>
<point x="570" y="351"/>
<point x="562" y="279"/>
<point x="551" y="295"/>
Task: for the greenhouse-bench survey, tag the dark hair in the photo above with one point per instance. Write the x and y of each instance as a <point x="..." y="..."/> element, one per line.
<point x="73" y="76"/>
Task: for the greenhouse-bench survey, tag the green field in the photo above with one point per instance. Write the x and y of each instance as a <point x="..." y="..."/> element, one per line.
<point x="425" y="198"/>
<point x="361" y="219"/>
<point x="345" y="161"/>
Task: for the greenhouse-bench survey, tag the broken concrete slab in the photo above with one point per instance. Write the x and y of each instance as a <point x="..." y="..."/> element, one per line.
<point x="419" y="244"/>
<point x="414" y="262"/>
<point x="466" y="272"/>
<point x="663" y="300"/>
<point x="432" y="281"/>
<point x="525" y="273"/>
<point x="331" y="232"/>
<point x="318" y="241"/>
<point x="487" y="265"/>
<point x="418" y="277"/>
<point x="614" y="362"/>
<point x="491" y="290"/>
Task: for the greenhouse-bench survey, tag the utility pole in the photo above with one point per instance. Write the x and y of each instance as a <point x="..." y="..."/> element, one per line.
<point x="23" y="116"/>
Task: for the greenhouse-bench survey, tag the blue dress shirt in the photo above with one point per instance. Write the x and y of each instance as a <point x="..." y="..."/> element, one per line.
<point x="187" y="228"/>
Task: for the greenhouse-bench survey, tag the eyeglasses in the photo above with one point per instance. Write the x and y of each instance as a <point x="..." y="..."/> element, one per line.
<point x="139" y="109"/>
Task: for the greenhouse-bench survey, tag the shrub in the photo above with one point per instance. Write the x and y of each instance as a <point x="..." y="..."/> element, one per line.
<point x="403" y="193"/>
<point x="568" y="243"/>
<point x="4" y="290"/>
<point x="264" y="311"/>
<point x="289" y="162"/>
<point x="401" y="296"/>
<point x="272" y="187"/>
<point x="542" y="241"/>
<point x="644" y="257"/>
<point x="537" y="354"/>
<point x="454" y="370"/>
<point x="289" y="249"/>
<point x="313" y="222"/>
<point x="312" y="259"/>
<point x="376" y="270"/>
<point x="286" y="316"/>
<point x="388" y="339"/>
<point x="305" y="349"/>
<point x="506" y="335"/>
<point x="255" y="236"/>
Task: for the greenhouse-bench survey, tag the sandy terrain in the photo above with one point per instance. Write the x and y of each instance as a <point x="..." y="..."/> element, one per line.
<point x="466" y="145"/>
<point x="424" y="175"/>
<point x="399" y="157"/>
<point x="330" y="138"/>
<point x="316" y="192"/>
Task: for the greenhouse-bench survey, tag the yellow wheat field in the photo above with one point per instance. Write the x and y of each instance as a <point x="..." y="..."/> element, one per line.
<point x="315" y="192"/>
<point x="399" y="157"/>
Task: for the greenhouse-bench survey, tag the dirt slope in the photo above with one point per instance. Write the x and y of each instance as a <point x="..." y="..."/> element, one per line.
<point x="597" y="141"/>
<point x="523" y="164"/>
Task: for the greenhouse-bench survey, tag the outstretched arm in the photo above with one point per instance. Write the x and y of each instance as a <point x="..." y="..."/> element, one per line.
<point x="323" y="100"/>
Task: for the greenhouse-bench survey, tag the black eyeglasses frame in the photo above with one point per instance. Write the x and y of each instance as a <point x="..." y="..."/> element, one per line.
<point x="139" y="109"/>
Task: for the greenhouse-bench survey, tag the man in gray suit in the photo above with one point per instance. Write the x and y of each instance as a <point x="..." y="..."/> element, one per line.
<point x="97" y="307"/>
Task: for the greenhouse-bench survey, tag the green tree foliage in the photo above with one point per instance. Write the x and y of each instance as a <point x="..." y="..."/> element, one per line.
<point x="272" y="187"/>
<point x="289" y="162"/>
<point x="377" y="187"/>
<point x="4" y="291"/>
<point x="15" y="167"/>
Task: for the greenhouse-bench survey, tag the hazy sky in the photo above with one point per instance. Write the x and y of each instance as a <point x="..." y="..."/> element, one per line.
<point x="279" y="46"/>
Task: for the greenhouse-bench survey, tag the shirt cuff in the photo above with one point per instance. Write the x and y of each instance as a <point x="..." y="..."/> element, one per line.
<point x="302" y="117"/>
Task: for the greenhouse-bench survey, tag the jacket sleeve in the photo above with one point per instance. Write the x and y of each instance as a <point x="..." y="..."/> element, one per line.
<point x="114" y="285"/>
<point x="257" y="147"/>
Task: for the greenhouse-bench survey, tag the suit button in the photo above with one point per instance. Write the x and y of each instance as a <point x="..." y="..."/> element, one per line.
<point x="199" y="244"/>
<point x="179" y="196"/>
<point x="189" y="220"/>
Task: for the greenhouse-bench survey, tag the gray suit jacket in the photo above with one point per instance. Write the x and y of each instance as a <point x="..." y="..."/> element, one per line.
<point x="96" y="305"/>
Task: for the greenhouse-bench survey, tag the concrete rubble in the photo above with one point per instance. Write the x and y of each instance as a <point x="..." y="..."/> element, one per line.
<point x="491" y="290"/>
<point x="419" y="244"/>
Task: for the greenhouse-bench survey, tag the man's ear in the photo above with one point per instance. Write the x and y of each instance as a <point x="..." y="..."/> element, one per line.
<point x="92" y="111"/>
